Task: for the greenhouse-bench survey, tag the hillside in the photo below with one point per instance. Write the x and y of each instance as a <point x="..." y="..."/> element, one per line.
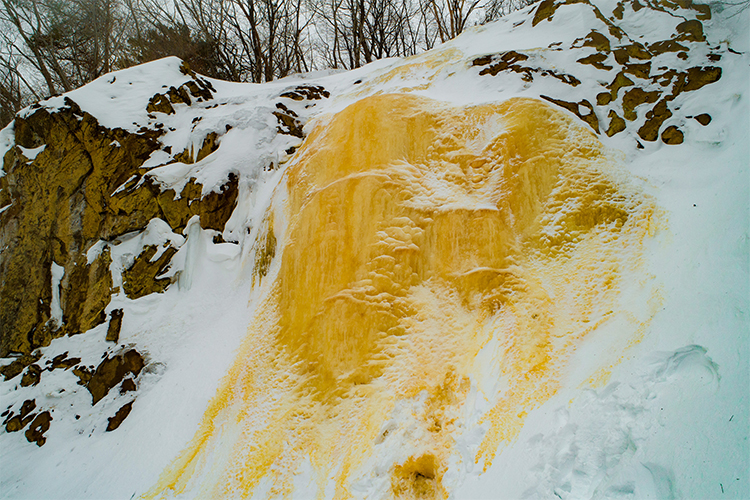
<point x="515" y="266"/>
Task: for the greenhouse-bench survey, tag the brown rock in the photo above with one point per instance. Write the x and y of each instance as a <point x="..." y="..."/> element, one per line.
<point x="110" y="373"/>
<point x="545" y="10"/>
<point x="704" y="119"/>
<point x="115" y="323"/>
<point x="596" y="60"/>
<point x="128" y="385"/>
<point x="309" y="92"/>
<point x="575" y="108"/>
<point x="60" y="207"/>
<point x="86" y="292"/>
<point x="691" y="30"/>
<point x="288" y="122"/>
<point x="616" y="124"/>
<point x="215" y="208"/>
<point x="619" y="10"/>
<point x="140" y="279"/>
<point x="654" y="119"/>
<point x="160" y="104"/>
<point x="634" y="50"/>
<point x="62" y="203"/>
<point x="16" y="367"/>
<point x="18" y="422"/>
<point x="699" y="77"/>
<point x="40" y="425"/>
<point x="293" y="95"/>
<point x="634" y="98"/>
<point x="672" y="135"/>
<point x="597" y="40"/>
<point x="665" y="46"/>
<point x="179" y="95"/>
<point x="508" y="61"/>
<point x="122" y="413"/>
<point x="32" y="376"/>
<point x="62" y="361"/>
<point x="638" y="70"/>
<point x="621" y="80"/>
<point x="482" y="61"/>
<point x="199" y="91"/>
<point x="208" y="146"/>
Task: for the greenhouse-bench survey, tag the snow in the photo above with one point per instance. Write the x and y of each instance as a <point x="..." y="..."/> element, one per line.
<point x="31" y="154"/>
<point x="667" y="416"/>
<point x="56" y="312"/>
<point x="7" y="141"/>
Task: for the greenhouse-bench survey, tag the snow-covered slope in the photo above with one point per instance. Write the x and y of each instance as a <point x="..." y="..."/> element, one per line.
<point x="515" y="266"/>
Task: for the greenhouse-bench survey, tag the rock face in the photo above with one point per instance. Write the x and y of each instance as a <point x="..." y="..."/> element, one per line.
<point x="632" y="82"/>
<point x="109" y="373"/>
<point x="59" y="207"/>
<point x="73" y="188"/>
<point x="71" y="192"/>
<point x="69" y="184"/>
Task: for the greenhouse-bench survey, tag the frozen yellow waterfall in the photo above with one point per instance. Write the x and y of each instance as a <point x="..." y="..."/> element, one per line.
<point x="420" y="237"/>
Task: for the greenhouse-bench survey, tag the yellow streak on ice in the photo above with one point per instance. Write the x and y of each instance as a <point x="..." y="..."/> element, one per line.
<point x="419" y="234"/>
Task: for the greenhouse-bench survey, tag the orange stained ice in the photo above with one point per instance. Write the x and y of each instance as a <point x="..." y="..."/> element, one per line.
<point x="420" y="237"/>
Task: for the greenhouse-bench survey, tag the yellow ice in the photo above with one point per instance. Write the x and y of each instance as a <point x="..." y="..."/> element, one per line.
<point x="418" y="233"/>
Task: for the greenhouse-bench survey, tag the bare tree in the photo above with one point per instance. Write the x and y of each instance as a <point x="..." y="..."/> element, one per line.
<point x="495" y="9"/>
<point x="450" y="16"/>
<point x="15" y="90"/>
<point x="28" y="23"/>
<point x="62" y="44"/>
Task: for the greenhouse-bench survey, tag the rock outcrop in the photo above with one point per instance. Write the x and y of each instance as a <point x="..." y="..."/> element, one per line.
<point x="633" y="84"/>
<point x="70" y="183"/>
<point x="71" y="189"/>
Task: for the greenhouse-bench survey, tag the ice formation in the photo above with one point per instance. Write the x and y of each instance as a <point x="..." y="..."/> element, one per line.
<point x="420" y="235"/>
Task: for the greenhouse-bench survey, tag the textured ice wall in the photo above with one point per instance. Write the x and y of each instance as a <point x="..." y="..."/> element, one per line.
<point x="439" y="267"/>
